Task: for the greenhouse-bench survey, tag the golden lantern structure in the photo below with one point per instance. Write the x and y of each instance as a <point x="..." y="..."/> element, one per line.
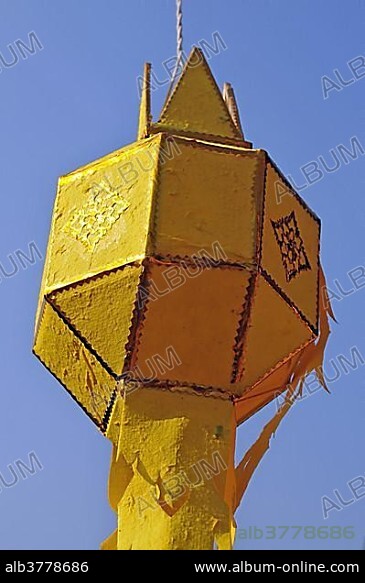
<point x="182" y="292"/>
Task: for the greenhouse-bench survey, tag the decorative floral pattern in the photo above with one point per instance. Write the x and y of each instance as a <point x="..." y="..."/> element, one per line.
<point x="92" y="222"/>
<point x="291" y="245"/>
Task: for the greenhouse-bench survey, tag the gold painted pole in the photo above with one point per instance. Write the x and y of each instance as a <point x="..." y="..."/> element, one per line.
<point x="171" y="472"/>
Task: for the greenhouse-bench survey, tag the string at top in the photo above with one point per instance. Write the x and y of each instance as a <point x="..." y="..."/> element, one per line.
<point x="179" y="31"/>
<point x="179" y="45"/>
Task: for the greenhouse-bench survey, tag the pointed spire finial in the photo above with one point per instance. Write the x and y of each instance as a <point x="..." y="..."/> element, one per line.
<point x="230" y="100"/>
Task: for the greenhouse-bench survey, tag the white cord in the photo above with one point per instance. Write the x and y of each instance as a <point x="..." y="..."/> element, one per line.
<point x="179" y="45"/>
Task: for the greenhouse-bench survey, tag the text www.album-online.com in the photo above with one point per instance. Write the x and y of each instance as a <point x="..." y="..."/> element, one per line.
<point x="301" y="567"/>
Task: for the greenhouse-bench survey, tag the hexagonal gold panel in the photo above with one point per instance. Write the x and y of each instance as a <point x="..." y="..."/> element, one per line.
<point x="290" y="245"/>
<point x="209" y="194"/>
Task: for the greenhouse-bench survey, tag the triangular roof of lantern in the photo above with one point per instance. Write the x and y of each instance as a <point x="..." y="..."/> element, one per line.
<point x="195" y="108"/>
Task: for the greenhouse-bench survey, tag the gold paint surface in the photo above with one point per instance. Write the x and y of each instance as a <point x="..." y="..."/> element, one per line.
<point x="269" y="388"/>
<point x="144" y="120"/>
<point x="169" y="497"/>
<point x="302" y="288"/>
<point x="73" y="365"/>
<point x="197" y="316"/>
<point x="100" y="311"/>
<point x="274" y="333"/>
<point x="102" y="214"/>
<point x="196" y="104"/>
<point x="209" y="195"/>
<point x="94" y="220"/>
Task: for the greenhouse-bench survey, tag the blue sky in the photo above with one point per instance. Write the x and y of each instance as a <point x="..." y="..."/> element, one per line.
<point x="76" y="100"/>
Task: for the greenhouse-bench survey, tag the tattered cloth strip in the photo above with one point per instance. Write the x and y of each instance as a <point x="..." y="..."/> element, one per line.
<point x="310" y="359"/>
